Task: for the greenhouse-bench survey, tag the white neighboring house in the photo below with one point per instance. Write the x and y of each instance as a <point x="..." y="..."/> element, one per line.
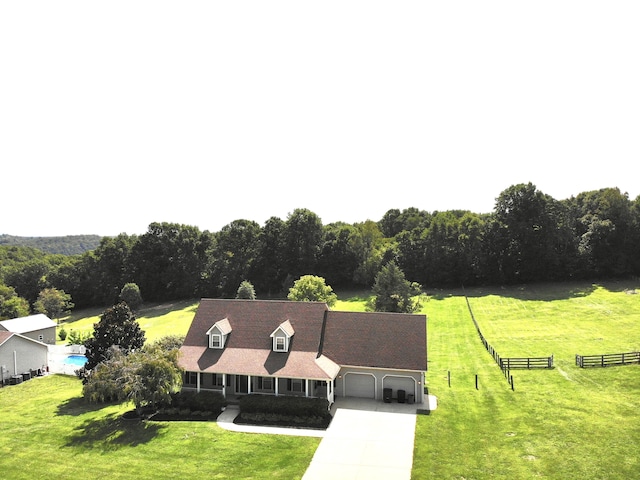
<point x="21" y="355"/>
<point x="38" y="327"/>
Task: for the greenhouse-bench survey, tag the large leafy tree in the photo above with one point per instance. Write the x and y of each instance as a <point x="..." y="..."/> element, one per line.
<point x="146" y="378"/>
<point x="234" y="254"/>
<point x="607" y="243"/>
<point x="117" y="327"/>
<point x="11" y="305"/>
<point x="528" y="235"/>
<point x="269" y="269"/>
<point x="310" y="288"/>
<point x="303" y="239"/>
<point x="170" y="261"/>
<point x="393" y="292"/>
<point x="338" y="259"/>
<point x="53" y="302"/>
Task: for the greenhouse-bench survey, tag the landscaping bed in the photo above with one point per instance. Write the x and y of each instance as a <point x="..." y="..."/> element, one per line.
<point x="291" y="412"/>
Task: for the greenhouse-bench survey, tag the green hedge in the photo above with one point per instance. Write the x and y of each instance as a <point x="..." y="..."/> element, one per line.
<point x="293" y="406"/>
<point x="198" y="401"/>
<point x="284" y="411"/>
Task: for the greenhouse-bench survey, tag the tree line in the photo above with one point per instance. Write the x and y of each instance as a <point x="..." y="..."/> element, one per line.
<point x="529" y="237"/>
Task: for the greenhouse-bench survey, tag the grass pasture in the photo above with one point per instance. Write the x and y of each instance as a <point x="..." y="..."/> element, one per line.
<point x="157" y="320"/>
<point x="564" y="423"/>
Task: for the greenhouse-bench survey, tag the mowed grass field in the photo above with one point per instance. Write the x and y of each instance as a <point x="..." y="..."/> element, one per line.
<point x="563" y="423"/>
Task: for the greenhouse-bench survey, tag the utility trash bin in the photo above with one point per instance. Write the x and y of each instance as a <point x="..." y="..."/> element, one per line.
<point x="387" y="394"/>
<point x="411" y="398"/>
<point x="401" y="396"/>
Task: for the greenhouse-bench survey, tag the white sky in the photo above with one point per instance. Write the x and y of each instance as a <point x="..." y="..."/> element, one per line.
<point x="116" y="114"/>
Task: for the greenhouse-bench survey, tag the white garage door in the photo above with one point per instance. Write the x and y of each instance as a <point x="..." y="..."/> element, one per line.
<point x="359" y="385"/>
<point x="399" y="383"/>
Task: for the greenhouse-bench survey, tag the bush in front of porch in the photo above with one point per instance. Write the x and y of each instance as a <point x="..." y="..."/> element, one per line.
<point x="205" y="405"/>
<point x="297" y="412"/>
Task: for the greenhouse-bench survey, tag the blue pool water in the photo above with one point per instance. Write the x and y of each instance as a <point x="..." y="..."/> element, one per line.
<point x="77" y="360"/>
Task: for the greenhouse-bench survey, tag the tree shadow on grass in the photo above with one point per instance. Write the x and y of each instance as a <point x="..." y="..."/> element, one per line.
<point x="113" y="432"/>
<point x="78" y="405"/>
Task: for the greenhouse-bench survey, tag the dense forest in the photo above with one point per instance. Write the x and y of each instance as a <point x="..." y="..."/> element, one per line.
<point x="529" y="237"/>
<point x="67" y="245"/>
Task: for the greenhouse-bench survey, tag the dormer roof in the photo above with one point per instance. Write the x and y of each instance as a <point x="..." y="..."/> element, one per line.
<point x="285" y="327"/>
<point x="223" y="326"/>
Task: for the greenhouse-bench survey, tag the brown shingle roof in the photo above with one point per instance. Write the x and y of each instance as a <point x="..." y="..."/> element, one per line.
<point x="380" y="340"/>
<point x="248" y="349"/>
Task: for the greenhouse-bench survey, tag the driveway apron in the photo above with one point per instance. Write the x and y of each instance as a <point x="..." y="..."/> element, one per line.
<point x="361" y="444"/>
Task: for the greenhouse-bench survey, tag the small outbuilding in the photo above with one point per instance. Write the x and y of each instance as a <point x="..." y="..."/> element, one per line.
<point x="21" y="357"/>
<point x="38" y="327"/>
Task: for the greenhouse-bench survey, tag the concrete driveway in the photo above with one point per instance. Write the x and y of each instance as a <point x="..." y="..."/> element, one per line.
<point x="366" y="440"/>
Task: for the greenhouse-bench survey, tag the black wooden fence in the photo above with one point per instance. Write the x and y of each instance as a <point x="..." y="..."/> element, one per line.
<point x="506" y="364"/>
<point x="607" y="359"/>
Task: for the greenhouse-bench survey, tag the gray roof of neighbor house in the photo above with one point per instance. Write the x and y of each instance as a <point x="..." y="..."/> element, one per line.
<point x="322" y="339"/>
<point x="27" y="324"/>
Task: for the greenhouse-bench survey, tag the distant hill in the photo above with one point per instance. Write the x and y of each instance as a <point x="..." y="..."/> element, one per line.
<point x="69" y="245"/>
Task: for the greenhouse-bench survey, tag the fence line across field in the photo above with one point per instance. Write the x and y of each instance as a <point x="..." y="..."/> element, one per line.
<point x="608" y="359"/>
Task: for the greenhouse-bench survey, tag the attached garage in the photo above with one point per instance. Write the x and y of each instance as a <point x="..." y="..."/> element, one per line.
<point x="362" y="385"/>
<point x="399" y="382"/>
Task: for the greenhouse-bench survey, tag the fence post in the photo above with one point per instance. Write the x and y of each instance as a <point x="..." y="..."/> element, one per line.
<point x="476" y="381"/>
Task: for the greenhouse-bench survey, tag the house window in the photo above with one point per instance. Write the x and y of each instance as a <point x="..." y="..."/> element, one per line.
<point x="296" y="385"/>
<point x="215" y="340"/>
<point x="279" y="344"/>
<point x="217" y="379"/>
<point x="265" y="383"/>
<point x="190" y="378"/>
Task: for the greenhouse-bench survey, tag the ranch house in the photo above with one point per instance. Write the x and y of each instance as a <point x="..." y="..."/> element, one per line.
<point x="270" y="347"/>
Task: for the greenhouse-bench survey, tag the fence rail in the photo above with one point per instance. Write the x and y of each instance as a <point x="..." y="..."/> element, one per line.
<point x="608" y="359"/>
<point x="526" y="362"/>
<point x="506" y="364"/>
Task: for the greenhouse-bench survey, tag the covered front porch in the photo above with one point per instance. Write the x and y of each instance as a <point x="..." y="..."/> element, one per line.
<point x="234" y="384"/>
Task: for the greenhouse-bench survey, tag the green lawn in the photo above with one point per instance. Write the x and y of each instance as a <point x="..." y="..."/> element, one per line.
<point x="564" y="423"/>
<point x="49" y="432"/>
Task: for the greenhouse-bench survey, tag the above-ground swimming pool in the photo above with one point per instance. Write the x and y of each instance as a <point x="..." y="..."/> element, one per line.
<point x="76" y="360"/>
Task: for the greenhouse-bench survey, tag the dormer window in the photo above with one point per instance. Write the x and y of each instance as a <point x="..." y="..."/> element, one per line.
<point x="215" y="340"/>
<point x="282" y="337"/>
<point x="279" y="344"/>
<point x="218" y="333"/>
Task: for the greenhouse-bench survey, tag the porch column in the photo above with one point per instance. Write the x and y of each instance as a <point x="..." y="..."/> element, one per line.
<point x="249" y="384"/>
<point x="275" y="379"/>
<point x="198" y="382"/>
<point x="224" y="385"/>
<point x="306" y="387"/>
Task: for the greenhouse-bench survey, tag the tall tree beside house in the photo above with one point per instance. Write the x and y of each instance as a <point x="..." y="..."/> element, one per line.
<point x="393" y="292"/>
<point x="117" y="326"/>
<point x="147" y="377"/>
<point x="53" y="302"/>
<point x="310" y="288"/>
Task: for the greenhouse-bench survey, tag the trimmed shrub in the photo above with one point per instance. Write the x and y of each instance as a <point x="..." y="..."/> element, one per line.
<point x="294" y="411"/>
